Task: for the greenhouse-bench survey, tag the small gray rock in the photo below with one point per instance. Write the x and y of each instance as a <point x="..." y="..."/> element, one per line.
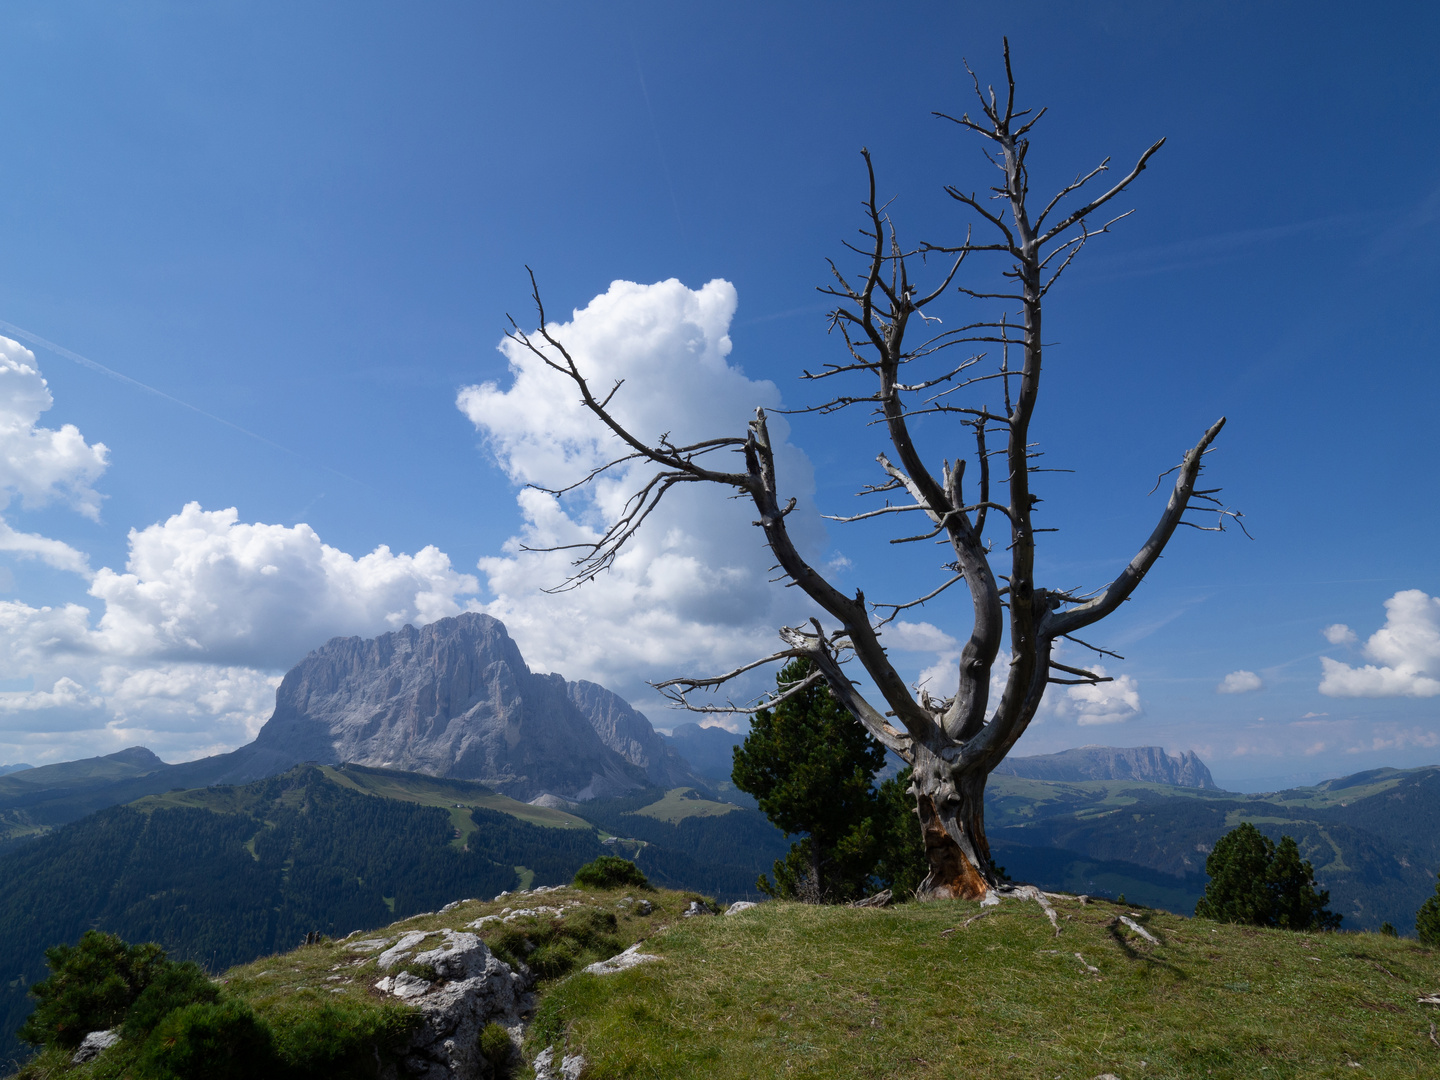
<point x="407" y="986"/>
<point x="644" y="907"/>
<point x="739" y="906"/>
<point x="631" y="957"/>
<point x="92" y="1044"/>
<point x="570" y="1066"/>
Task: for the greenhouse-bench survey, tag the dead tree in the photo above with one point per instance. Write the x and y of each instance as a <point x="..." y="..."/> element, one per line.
<point x="955" y="742"/>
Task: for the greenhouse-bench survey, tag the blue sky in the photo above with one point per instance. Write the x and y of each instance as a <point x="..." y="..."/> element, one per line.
<point x="304" y="225"/>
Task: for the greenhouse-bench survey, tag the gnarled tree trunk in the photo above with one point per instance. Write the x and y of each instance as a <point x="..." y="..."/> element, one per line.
<point x="953" y="743"/>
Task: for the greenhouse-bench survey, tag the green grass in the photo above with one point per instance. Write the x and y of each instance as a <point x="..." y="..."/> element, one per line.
<point x="793" y="991"/>
<point x="681" y="803"/>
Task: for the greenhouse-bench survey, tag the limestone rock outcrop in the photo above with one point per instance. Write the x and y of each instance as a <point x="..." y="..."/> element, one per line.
<point x="472" y="989"/>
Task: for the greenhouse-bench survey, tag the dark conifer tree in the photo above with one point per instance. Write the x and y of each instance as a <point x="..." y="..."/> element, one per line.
<point x="1254" y="881"/>
<point x="811" y="769"/>
<point x="1427" y="919"/>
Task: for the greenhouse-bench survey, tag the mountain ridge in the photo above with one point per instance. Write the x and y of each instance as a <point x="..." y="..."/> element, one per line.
<point x="1146" y="763"/>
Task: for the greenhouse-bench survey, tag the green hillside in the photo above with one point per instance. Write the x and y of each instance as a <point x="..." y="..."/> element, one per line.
<point x="1373" y="838"/>
<point x="946" y="989"/>
<point x="225" y="874"/>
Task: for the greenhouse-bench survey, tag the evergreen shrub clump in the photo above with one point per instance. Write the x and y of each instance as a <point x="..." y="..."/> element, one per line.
<point x="91" y="986"/>
<point x="1255" y="881"/>
<point x="611" y="872"/>
<point x="217" y="1040"/>
<point x="1427" y="919"/>
<point x="175" y="1023"/>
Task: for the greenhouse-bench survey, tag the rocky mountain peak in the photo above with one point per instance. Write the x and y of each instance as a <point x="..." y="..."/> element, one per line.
<point x="456" y="698"/>
<point x="1147" y="763"/>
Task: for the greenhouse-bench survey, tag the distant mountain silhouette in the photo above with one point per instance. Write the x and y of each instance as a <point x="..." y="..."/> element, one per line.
<point x="1149" y="763"/>
<point x="709" y="749"/>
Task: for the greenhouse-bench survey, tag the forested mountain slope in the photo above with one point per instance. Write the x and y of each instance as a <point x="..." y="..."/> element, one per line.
<point x="1373" y="838"/>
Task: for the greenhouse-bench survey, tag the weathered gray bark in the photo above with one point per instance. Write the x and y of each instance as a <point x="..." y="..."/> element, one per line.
<point x="953" y="743"/>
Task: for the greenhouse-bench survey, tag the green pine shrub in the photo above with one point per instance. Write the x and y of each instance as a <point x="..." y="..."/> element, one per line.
<point x="220" y="1040"/>
<point x="173" y="987"/>
<point x="1427" y="919"/>
<point x="91" y="985"/>
<point x="811" y="768"/>
<point x="611" y="872"/>
<point x="1257" y="882"/>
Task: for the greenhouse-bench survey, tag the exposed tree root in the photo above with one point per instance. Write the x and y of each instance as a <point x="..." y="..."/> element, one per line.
<point x="1023" y="892"/>
<point x="1133" y="925"/>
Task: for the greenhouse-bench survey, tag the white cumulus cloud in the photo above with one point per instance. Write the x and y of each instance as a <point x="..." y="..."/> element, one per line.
<point x="1100" y="703"/>
<point x="38" y="464"/>
<point x="1339" y="634"/>
<point x="919" y="637"/>
<point x="690" y="592"/>
<point x="203" y="585"/>
<point x="187" y="649"/>
<point x="54" y="553"/>
<point x="1240" y="682"/>
<point x="1405" y="651"/>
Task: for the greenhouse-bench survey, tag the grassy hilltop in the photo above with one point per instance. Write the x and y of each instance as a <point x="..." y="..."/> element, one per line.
<point x="946" y="989"/>
<point x="922" y="991"/>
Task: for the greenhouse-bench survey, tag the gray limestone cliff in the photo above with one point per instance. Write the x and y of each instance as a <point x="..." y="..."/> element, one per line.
<point x="457" y="699"/>
<point x="1148" y="763"/>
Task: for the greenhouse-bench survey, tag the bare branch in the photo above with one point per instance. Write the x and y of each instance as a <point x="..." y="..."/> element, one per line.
<point x="1117" y="591"/>
<point x="1090" y="207"/>
<point x="897" y="608"/>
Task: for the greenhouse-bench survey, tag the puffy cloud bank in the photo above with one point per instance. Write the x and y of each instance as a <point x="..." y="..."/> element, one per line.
<point x="191" y="638"/>
<point x="40" y="465"/>
<point x="690" y="592"/>
<point x="204" y="584"/>
<point x="1405" y="651"/>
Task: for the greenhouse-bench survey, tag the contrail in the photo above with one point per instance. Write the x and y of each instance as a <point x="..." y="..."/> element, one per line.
<point x="85" y="361"/>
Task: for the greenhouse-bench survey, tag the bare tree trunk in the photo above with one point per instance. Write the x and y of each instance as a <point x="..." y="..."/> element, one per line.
<point x="952" y="823"/>
<point x="955" y="742"/>
<point x="816" y="889"/>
